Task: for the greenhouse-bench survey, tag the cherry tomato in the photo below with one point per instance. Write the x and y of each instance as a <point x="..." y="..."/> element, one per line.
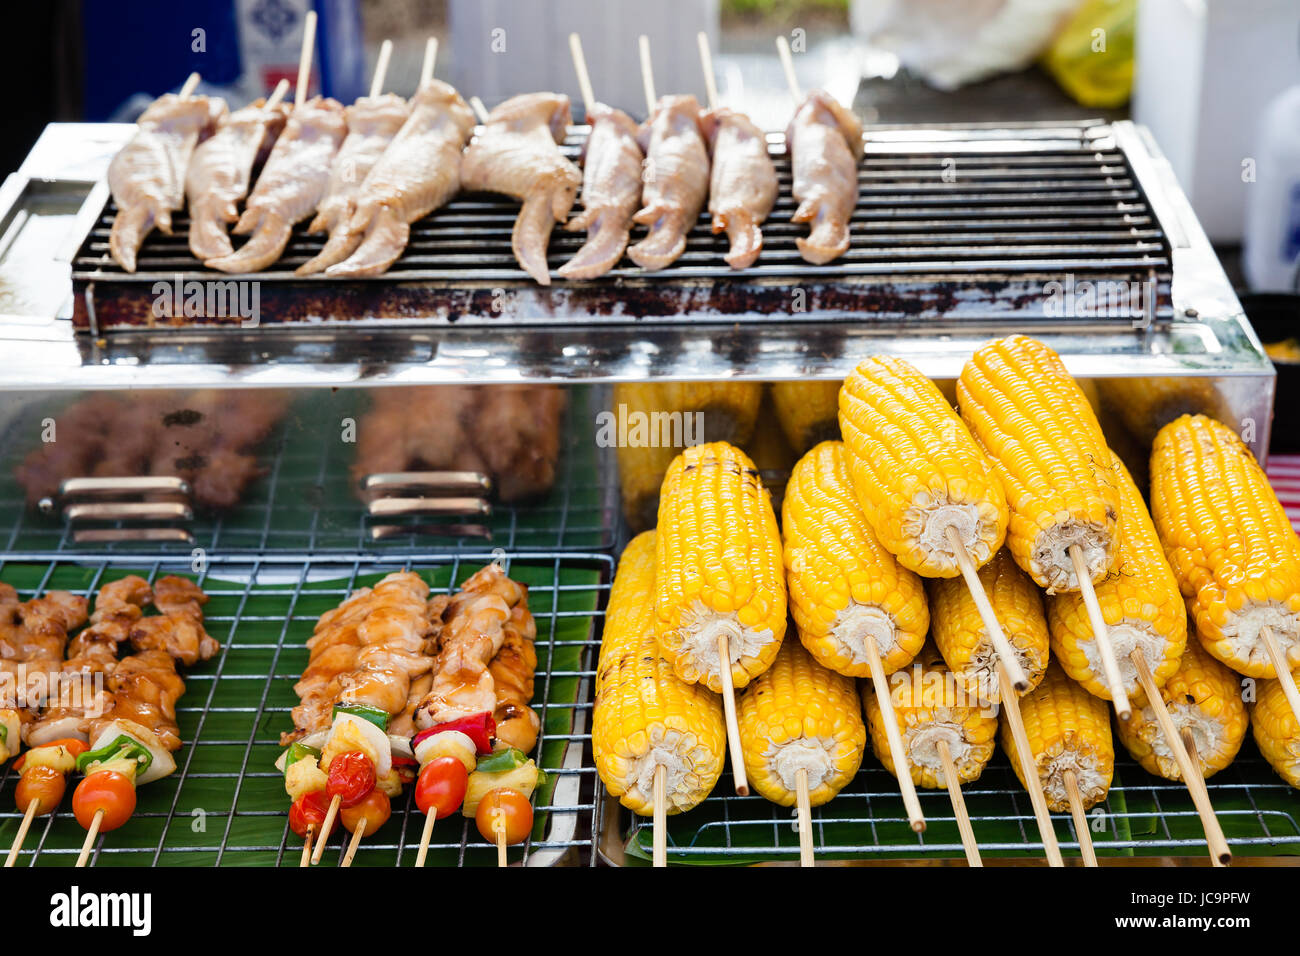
<point x="441" y="787"/>
<point x="308" y="810"/>
<point x="351" y="777"/>
<point x="508" y="809"/>
<point x="106" y="790"/>
<point x="375" y="809"/>
<point x="45" y="785"/>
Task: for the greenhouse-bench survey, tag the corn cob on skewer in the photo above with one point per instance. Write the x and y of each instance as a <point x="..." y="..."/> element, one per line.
<point x="645" y="715"/>
<point x="1277" y="731"/>
<point x="1036" y="425"/>
<point x="916" y="470"/>
<point x="1140" y="602"/>
<point x="961" y="637"/>
<point x="844" y="586"/>
<point x="1230" y="544"/>
<point x="797" y="716"/>
<point x="808" y="412"/>
<point x="1204" y="698"/>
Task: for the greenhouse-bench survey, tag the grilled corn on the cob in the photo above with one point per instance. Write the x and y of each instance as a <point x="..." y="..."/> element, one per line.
<point x="800" y="716"/>
<point x="1204" y="698"/>
<point x="1277" y="731"/>
<point x="1139" y="601"/>
<point x="959" y="634"/>
<point x="718" y="567"/>
<point x="808" y="412"/>
<point x="1230" y="544"/>
<point x="932" y="706"/>
<point x="645" y="715"/>
<point x="843" y="585"/>
<point x="916" y="470"/>
<point x="1068" y="729"/>
<point x="1036" y="425"/>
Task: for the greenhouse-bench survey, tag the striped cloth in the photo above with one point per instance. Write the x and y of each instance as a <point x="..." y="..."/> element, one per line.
<point x="1284" y="475"/>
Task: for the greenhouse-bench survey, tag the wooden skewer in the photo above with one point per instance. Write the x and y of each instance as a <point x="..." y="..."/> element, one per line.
<point x="1191" y="774"/>
<point x="660" y="834"/>
<point x="304" y="60"/>
<point x="881" y="684"/>
<point x="584" y="78"/>
<point x="1028" y="768"/>
<point x="91" y="833"/>
<point x="381" y="68"/>
<point x="992" y="626"/>
<point x="480" y="110"/>
<point x="277" y="94"/>
<point x="787" y="64"/>
<point x="426" y="835"/>
<point x="326" y="829"/>
<point x="1190" y="743"/>
<point x="647" y="74"/>
<point x="430" y="58"/>
<point x="805" y="812"/>
<point x="729" y="712"/>
<point x="499" y="829"/>
<point x="23" y="827"/>
<point x="190" y="85"/>
<point x="706" y="64"/>
<point x="1071" y="781"/>
<point x="355" y="843"/>
<point x="1283" y="668"/>
<point x="1119" y="696"/>
<point x="953" y="782"/>
<point x="305" y="860"/>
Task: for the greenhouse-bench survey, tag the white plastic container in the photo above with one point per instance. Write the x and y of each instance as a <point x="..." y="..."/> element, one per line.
<point x="1271" y="245"/>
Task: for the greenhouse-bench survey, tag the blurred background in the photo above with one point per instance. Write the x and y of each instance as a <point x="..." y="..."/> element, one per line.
<point x="1217" y="82"/>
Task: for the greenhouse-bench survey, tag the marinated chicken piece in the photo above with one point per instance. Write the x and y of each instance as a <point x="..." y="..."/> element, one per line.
<point x="147" y="176"/>
<point x="9" y="621"/>
<point x="419" y="172"/>
<point x="611" y="193"/>
<point x="403" y="724"/>
<point x="118" y="606"/>
<point x="743" y="185"/>
<point x="373" y="121"/>
<point x="474" y="630"/>
<point x="676" y="181"/>
<point x="291" y="186"/>
<point x="221" y="170"/>
<point x="44" y="623"/>
<point x="81" y="697"/>
<point x="144" y="688"/>
<point x="178" y="628"/>
<point x="512" y="674"/>
<point x="825" y="143"/>
<point x="518" y="154"/>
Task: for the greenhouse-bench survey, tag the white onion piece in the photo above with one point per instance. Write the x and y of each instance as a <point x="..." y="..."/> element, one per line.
<point x="377" y="739"/>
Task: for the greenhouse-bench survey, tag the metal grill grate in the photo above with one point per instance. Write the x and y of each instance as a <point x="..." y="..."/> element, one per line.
<point x="226" y="804"/>
<point x="953" y="222"/>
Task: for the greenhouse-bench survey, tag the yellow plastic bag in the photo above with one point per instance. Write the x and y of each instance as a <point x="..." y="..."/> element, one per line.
<point x="1092" y="58"/>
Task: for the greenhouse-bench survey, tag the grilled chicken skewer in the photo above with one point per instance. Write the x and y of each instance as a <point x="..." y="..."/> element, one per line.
<point x="147" y="176"/>
<point x="518" y="155"/>
<point x="220" y="173"/>
<point x="825" y="144"/>
<point x="611" y="182"/>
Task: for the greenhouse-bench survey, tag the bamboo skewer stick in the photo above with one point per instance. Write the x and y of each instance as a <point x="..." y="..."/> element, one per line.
<point x="1029" y="769"/>
<point x="91" y="833"/>
<point x="304" y="58"/>
<point x="1189" y="742"/>
<point x="479" y="109"/>
<point x="1191" y="774"/>
<point x="355" y="843"/>
<point x="426" y="835"/>
<point x="427" y="64"/>
<point x="499" y="829"/>
<point x="706" y="64"/>
<point x="787" y="64"/>
<point x="277" y="94"/>
<point x="881" y="685"/>
<point x="729" y="712"/>
<point x="305" y="860"/>
<point x="660" y="834"/>
<point x="1080" y="818"/>
<point x="1119" y="696"/>
<point x="647" y="74"/>
<point x="805" y="812"/>
<point x="326" y="828"/>
<point x="1283" y="668"/>
<point x="21" y="836"/>
<point x="992" y="626"/>
<point x="584" y="78"/>
<point x="953" y="782"/>
<point x="191" y="83"/>
<point x="381" y="68"/>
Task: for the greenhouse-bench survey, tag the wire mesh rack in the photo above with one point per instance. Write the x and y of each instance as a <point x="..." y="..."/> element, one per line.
<point x="305" y="501"/>
<point x="1143" y="816"/>
<point x="226" y="803"/>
